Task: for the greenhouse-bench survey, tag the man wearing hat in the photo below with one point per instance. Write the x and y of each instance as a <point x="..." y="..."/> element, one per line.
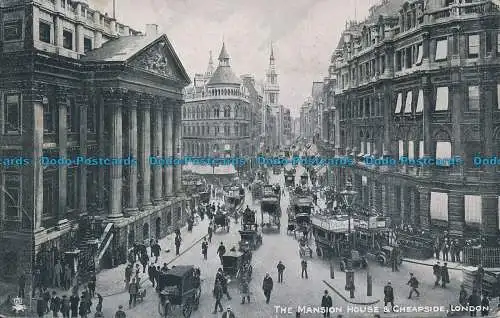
<point x="228" y="313"/>
<point x="326" y="303"/>
<point x="267" y="287"/>
<point x="389" y="295"/>
<point x="120" y="313"/>
<point x="413" y="282"/>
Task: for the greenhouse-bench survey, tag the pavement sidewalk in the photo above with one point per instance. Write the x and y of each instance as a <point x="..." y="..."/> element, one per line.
<point x="112" y="281"/>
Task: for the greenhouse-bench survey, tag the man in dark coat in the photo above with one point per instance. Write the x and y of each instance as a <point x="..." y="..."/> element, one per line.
<point x="326" y="303"/>
<point x="303" y="264"/>
<point x="436" y="270"/>
<point x="485" y="305"/>
<point x="228" y="313"/>
<point x="221" y="251"/>
<point x="463" y="297"/>
<point x="389" y="295"/>
<point x="474" y="301"/>
<point x="155" y="250"/>
<point x="55" y="304"/>
<point x="222" y="280"/>
<point x="204" y="248"/>
<point x="65" y="306"/>
<point x="152" y="273"/>
<point x="281" y="269"/>
<point x="218" y="293"/>
<point x="40" y="306"/>
<point x="413" y="282"/>
<point x="144" y="261"/>
<point x="74" y="301"/>
<point x="445" y="275"/>
<point x="267" y="287"/>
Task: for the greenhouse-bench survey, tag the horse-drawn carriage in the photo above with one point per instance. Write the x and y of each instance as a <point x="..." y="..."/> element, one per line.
<point x="270" y="205"/>
<point x="250" y="237"/>
<point x="289" y="178"/>
<point x="221" y="220"/>
<point x="299" y="215"/>
<point x="180" y="289"/>
<point x="237" y="265"/>
<point x="257" y="189"/>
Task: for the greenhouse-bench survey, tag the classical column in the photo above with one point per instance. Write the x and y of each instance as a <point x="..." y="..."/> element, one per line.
<point x="82" y="169"/>
<point x="145" y="151"/>
<point x="168" y="149"/>
<point x="62" y="141"/>
<point x="101" y="151"/>
<point x="114" y="101"/>
<point x="131" y="107"/>
<point x="427" y="125"/>
<point x="487" y="94"/>
<point x="425" y="215"/>
<point x="157" y="150"/>
<point x="177" y="147"/>
<point x="32" y="147"/>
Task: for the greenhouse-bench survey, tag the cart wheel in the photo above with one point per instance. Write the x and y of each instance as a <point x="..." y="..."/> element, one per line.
<point x="187" y="309"/>
<point x="164" y="310"/>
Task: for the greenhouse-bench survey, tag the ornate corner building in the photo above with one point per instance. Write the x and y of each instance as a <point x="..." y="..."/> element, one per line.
<point x="421" y="79"/>
<point x="76" y="83"/>
<point x="218" y="112"/>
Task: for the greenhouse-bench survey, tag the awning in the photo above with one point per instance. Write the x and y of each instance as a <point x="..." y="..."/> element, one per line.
<point x="209" y="170"/>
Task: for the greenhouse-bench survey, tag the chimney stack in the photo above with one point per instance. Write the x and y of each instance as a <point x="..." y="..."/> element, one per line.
<point x="151" y="29"/>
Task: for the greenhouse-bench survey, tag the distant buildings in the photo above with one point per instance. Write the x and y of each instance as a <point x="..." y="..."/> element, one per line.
<point x="219" y="112"/>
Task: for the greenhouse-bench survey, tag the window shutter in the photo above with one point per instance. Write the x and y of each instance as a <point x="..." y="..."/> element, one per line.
<point x="473" y="209"/>
<point x="442" y="98"/>
<point x="439" y="206"/>
<point x="409" y="98"/>
<point x="420" y="101"/>
<point x="399" y="103"/>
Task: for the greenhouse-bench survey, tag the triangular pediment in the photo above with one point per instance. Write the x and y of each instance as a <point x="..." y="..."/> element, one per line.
<point x="159" y="58"/>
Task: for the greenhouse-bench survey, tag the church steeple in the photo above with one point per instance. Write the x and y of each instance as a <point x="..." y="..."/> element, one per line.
<point x="210" y="68"/>
<point x="224" y="56"/>
<point x="271" y="86"/>
<point x="271" y="57"/>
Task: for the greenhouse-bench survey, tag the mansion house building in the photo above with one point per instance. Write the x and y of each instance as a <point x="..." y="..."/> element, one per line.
<point x="422" y="79"/>
<point x="75" y="82"/>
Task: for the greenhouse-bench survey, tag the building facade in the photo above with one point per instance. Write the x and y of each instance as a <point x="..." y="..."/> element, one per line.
<point x="256" y="104"/>
<point x="217" y="113"/>
<point x="94" y="89"/>
<point x="287" y="128"/>
<point x="421" y="79"/>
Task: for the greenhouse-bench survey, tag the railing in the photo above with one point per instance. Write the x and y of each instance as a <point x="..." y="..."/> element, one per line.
<point x="456" y="10"/>
<point x="488" y="257"/>
<point x="104" y="241"/>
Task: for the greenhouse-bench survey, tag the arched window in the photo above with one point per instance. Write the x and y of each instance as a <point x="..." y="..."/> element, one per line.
<point x="236" y="110"/>
<point x="227" y="111"/>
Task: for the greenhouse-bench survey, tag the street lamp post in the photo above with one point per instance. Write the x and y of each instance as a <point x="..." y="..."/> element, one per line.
<point x="349" y="196"/>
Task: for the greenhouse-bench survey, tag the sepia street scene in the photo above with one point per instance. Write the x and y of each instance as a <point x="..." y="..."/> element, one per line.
<point x="230" y="158"/>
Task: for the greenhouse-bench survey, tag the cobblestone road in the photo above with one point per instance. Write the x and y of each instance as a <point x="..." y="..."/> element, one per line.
<point x="294" y="291"/>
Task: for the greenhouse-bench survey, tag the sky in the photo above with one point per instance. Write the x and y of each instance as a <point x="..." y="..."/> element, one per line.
<point x="304" y="34"/>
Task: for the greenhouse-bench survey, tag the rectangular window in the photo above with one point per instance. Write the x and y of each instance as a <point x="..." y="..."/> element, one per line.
<point x="473" y="209"/>
<point x="50" y="193"/>
<point x="489" y="41"/>
<point x="87" y="44"/>
<point x="68" y="40"/>
<point x="362" y="148"/>
<point x="439" y="206"/>
<point x="498" y="42"/>
<point x="473" y="44"/>
<point x="473" y="98"/>
<point x="91" y="116"/>
<point x="13" y="30"/>
<point x="12" y="114"/>
<point x="401" y="148"/>
<point x="442" y="98"/>
<point x="420" y="54"/>
<point x="364" y="180"/>
<point x="399" y="103"/>
<point x="49" y="115"/>
<point x="498" y="96"/>
<point x="368" y="148"/>
<point x="420" y="101"/>
<point x="12" y="195"/>
<point x="73" y="116"/>
<point x="44" y="32"/>
<point x="409" y="99"/>
<point x="411" y="150"/>
<point x="443" y="151"/>
<point x="408" y="53"/>
<point x="441" y="50"/>
<point x="421" y="151"/>
<point x="398" y="61"/>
